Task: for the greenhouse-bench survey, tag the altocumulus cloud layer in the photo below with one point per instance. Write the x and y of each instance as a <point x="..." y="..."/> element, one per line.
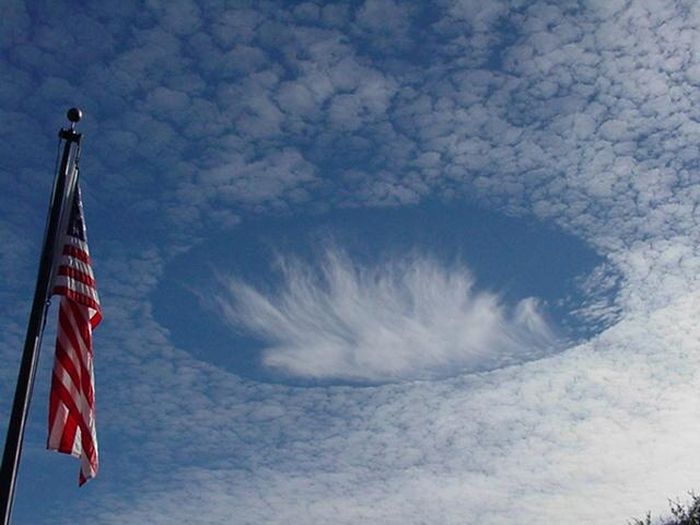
<point x="410" y="318"/>
<point x="584" y="114"/>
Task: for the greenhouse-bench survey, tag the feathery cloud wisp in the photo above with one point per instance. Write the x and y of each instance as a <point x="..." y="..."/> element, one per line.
<point x="401" y="319"/>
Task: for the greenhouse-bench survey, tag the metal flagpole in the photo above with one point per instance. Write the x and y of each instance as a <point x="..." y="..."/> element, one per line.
<point x="35" y="328"/>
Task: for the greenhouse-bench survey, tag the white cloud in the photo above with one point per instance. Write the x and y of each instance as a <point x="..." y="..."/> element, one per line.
<point x="586" y="117"/>
<point x="402" y="318"/>
<point x="238" y="180"/>
<point x="540" y="440"/>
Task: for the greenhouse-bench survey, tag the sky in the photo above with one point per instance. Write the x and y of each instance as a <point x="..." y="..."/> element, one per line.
<point x="365" y="262"/>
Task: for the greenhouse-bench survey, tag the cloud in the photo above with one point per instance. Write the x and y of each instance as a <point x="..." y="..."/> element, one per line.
<point x="404" y="318"/>
<point x="240" y="181"/>
<point x="540" y="440"/>
<point x="582" y="115"/>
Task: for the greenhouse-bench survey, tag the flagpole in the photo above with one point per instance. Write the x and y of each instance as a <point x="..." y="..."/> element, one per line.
<point x="35" y="327"/>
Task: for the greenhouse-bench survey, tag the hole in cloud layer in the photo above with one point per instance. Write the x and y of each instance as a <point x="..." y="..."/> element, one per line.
<point x="411" y="282"/>
<point x="405" y="318"/>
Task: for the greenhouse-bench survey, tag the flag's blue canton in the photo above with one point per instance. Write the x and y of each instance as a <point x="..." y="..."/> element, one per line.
<point x="76" y="227"/>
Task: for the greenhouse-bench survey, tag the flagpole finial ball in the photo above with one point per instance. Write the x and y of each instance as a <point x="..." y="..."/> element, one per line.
<point x="74" y="115"/>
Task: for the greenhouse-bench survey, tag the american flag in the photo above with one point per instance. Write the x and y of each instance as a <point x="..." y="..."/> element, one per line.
<point x="72" y="397"/>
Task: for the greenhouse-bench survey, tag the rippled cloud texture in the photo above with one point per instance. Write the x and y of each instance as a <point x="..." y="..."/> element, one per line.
<point x="202" y="116"/>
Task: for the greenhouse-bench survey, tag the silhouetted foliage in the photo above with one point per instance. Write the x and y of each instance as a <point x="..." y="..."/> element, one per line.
<point x="688" y="514"/>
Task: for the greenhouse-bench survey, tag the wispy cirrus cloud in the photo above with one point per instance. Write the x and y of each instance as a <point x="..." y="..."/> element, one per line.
<point x="403" y="318"/>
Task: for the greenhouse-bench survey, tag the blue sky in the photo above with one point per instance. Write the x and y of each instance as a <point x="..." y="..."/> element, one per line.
<point x="366" y="262"/>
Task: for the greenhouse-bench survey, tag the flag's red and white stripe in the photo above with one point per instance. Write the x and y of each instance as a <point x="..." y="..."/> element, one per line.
<point x="72" y="397"/>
